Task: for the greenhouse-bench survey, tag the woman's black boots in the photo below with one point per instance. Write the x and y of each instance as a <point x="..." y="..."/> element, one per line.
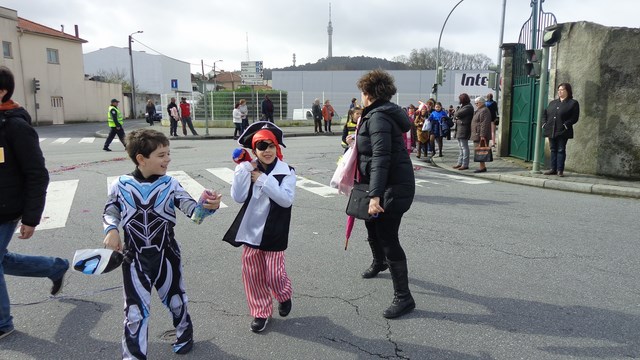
<point x="402" y="300"/>
<point x="378" y="263"/>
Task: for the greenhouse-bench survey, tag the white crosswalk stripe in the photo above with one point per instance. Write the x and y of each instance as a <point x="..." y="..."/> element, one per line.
<point x="458" y="178"/>
<point x="60" y="194"/>
<point x="309" y="185"/>
<point x="87" y="140"/>
<point x="61" y="141"/>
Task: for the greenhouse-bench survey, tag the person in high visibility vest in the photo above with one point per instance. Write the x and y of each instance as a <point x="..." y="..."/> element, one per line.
<point x="115" y="120"/>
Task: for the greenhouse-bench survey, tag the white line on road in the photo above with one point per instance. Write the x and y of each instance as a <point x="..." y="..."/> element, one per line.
<point x="58" y="204"/>
<point x="87" y="140"/>
<point x="459" y="178"/>
<point x="317" y="188"/>
<point x="61" y="141"/>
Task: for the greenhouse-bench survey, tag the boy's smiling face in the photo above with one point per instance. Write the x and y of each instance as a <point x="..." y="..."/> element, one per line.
<point x="157" y="162"/>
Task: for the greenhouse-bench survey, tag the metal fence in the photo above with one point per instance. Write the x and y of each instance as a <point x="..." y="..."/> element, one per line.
<point x="288" y="106"/>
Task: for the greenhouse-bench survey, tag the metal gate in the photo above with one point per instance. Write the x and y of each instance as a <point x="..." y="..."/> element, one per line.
<point x="524" y="108"/>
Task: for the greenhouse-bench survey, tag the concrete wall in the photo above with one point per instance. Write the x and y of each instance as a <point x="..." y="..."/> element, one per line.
<point x="602" y="64"/>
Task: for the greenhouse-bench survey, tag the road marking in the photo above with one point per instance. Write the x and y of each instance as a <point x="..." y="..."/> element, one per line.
<point x="188" y="183"/>
<point x="224" y="174"/>
<point x="58" y="204"/>
<point x="459" y="178"/>
<point x="42" y="139"/>
<point x="314" y="187"/>
<point x="61" y="141"/>
<point x="87" y="140"/>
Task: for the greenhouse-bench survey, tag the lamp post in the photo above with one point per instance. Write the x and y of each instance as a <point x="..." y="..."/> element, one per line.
<point x="440" y="38"/>
<point x="133" y="80"/>
<point x="215" y="88"/>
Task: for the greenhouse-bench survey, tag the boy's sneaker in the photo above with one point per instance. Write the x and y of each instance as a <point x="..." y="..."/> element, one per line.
<point x="284" y="308"/>
<point x="183" y="348"/>
<point x="259" y="324"/>
<point x="5" y="333"/>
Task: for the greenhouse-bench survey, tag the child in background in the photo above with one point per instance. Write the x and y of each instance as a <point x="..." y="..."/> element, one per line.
<point x="349" y="129"/>
<point x="143" y="203"/>
<point x="266" y="187"/>
<point x="422" y="136"/>
<point x="439" y="128"/>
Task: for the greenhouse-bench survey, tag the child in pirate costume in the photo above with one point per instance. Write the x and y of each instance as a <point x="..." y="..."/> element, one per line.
<point x="266" y="187"/>
<point x="144" y="204"/>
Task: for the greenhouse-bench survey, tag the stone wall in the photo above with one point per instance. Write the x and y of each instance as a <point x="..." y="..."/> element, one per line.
<point x="602" y="64"/>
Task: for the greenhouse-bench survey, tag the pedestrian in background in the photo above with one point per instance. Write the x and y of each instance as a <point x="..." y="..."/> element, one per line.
<point x="267" y="109"/>
<point x="463" y="117"/>
<point x="481" y="128"/>
<point x="185" y="116"/>
<point x="349" y="129"/>
<point x="174" y="117"/>
<point x="493" y="109"/>
<point x="316" y="110"/>
<point x="557" y="123"/>
<point x="327" y="114"/>
<point x="245" y="113"/>
<point x="115" y="121"/>
<point x="385" y="165"/>
<point x="150" y="112"/>
<point x="237" y="121"/>
<point x="438" y="128"/>
<point x="23" y="188"/>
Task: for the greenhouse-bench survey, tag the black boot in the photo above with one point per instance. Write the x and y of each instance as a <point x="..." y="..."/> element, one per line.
<point x="378" y="263"/>
<point x="402" y="300"/>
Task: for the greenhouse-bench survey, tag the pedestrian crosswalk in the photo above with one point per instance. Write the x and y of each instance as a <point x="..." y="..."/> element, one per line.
<point x="67" y="140"/>
<point x="61" y="194"/>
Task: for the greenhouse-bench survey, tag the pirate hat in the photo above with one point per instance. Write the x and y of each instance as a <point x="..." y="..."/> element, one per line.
<point x="247" y="136"/>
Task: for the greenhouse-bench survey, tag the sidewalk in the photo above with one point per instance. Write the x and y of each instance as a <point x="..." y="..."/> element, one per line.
<point x="505" y="169"/>
<point x="512" y="170"/>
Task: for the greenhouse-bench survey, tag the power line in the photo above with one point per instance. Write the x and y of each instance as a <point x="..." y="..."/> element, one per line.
<point x="170" y="57"/>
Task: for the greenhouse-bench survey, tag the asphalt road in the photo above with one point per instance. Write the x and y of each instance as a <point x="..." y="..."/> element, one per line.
<point x="498" y="271"/>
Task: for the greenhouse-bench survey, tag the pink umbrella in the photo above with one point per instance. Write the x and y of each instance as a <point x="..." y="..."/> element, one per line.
<point x="350" y="222"/>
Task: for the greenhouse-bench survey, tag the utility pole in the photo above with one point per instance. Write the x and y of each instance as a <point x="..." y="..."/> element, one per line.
<point x="133" y="80"/>
<point x="435" y="86"/>
<point x="204" y="100"/>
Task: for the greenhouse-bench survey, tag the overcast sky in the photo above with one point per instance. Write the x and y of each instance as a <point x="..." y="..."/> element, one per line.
<point x="276" y="29"/>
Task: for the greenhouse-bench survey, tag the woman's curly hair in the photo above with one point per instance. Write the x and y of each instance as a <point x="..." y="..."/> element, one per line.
<point x="378" y="84"/>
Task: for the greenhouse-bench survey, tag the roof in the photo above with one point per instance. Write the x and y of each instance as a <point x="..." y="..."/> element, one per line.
<point x="30" y="26"/>
<point x="228" y="77"/>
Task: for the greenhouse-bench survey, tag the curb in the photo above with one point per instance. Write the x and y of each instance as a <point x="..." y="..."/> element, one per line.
<point x="579" y="187"/>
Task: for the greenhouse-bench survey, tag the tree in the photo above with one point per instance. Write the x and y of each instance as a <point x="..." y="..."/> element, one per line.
<point x="425" y="59"/>
<point x="117" y="77"/>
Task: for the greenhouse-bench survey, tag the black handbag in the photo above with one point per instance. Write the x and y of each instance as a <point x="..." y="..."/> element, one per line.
<point x="358" y="205"/>
<point x="482" y="153"/>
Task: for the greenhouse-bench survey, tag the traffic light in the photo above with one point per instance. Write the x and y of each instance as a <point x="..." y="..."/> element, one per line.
<point x="36" y="85"/>
<point x="532" y="67"/>
<point x="440" y="75"/>
<point x="493" y="77"/>
<point x="434" y="89"/>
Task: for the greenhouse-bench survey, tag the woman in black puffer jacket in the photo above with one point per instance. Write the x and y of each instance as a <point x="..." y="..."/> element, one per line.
<point x="384" y="164"/>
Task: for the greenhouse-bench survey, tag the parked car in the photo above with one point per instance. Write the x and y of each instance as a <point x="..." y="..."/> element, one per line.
<point x="158" y="115"/>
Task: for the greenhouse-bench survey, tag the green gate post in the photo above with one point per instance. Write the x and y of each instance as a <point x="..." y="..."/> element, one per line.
<point x="541" y="102"/>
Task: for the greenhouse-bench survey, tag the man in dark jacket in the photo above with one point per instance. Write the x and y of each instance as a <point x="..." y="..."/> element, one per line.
<point x="23" y="188"/>
<point x="267" y="108"/>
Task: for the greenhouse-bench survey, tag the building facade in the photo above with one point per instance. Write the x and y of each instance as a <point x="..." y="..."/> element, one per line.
<point x="54" y="58"/>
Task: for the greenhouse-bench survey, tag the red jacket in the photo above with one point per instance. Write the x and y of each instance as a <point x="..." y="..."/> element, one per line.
<point x="185" y="109"/>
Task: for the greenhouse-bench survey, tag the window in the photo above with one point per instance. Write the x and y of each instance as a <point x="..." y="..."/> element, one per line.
<point x="6" y="49"/>
<point x="52" y="56"/>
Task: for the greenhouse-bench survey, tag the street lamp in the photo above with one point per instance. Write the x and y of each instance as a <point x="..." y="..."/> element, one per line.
<point x="215" y="86"/>
<point x="133" y="80"/>
<point x="440" y="38"/>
